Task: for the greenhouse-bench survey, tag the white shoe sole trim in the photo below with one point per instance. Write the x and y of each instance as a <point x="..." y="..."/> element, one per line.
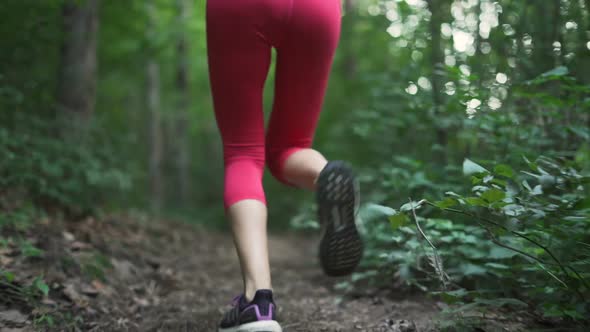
<point x="260" y="326"/>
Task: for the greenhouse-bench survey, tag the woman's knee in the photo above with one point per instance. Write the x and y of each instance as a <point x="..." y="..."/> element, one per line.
<point x="275" y="161"/>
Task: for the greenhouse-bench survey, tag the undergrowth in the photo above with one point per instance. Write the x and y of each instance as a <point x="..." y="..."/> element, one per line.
<point x="44" y="175"/>
<point x="517" y="239"/>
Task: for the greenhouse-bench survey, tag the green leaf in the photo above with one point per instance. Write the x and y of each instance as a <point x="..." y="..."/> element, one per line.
<point x="411" y="206"/>
<point x="371" y="212"/>
<point x="454" y="296"/>
<point x="40" y="285"/>
<point x="488" y="178"/>
<point x="501" y="253"/>
<point x="454" y="194"/>
<point x="574" y="314"/>
<point x="493" y="195"/>
<point x="472" y="269"/>
<point x="501" y="302"/>
<point x="382" y="209"/>
<point x="504" y="170"/>
<point x="398" y="220"/>
<point x="558" y="71"/>
<point x="527" y="185"/>
<point x="538" y="190"/>
<point x="479" y="188"/>
<point x="575" y="218"/>
<point x="357" y="276"/>
<point x="29" y="250"/>
<point x="9" y="276"/>
<point x="547" y="180"/>
<point x="499" y="182"/>
<point x="475" y="201"/>
<point x="531" y="164"/>
<point x="469" y="168"/>
<point x="446" y="203"/>
<point x="497" y="266"/>
<point x="47" y="320"/>
<point x="513" y="210"/>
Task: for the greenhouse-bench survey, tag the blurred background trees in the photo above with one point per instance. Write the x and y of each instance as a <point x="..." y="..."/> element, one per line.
<point x="417" y="87"/>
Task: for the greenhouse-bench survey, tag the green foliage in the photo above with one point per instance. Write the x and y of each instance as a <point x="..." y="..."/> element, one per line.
<point x="29" y="294"/>
<point x="525" y="231"/>
<point x="56" y="172"/>
<point x="53" y="320"/>
<point x="28" y="249"/>
<point x="40" y="286"/>
<point x="94" y="266"/>
<point x="20" y="219"/>
<point x="408" y="136"/>
<point x="15" y="223"/>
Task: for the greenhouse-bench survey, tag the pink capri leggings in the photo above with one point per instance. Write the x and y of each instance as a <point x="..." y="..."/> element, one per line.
<point x="240" y="35"/>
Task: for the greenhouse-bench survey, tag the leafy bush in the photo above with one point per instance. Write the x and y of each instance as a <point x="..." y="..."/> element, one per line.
<point x="56" y="172"/>
<point x="505" y="238"/>
<point x="537" y="250"/>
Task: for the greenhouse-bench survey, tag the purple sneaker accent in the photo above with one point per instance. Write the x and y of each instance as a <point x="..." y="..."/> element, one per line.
<point x="261" y="309"/>
<point x="260" y="316"/>
<point x="237" y="300"/>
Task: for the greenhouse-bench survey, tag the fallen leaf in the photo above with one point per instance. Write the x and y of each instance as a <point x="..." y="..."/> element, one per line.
<point x="68" y="236"/>
<point x="77" y="245"/>
<point x="98" y="285"/>
<point x="72" y="293"/>
<point x="13" y="317"/>
<point x="5" y="261"/>
<point x="123" y="268"/>
<point x="89" y="290"/>
<point x="141" y="302"/>
<point x="403" y="326"/>
<point x="49" y="302"/>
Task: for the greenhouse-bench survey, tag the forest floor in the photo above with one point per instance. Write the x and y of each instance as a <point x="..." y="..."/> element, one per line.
<point x="121" y="274"/>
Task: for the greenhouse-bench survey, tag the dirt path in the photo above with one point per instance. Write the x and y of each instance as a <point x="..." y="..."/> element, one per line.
<point x="175" y="277"/>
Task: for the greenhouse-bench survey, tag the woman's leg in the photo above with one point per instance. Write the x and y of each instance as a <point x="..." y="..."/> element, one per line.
<point x="302" y="168"/>
<point x="248" y="218"/>
<point x="239" y="59"/>
<point x="303" y="66"/>
<point x="304" y="60"/>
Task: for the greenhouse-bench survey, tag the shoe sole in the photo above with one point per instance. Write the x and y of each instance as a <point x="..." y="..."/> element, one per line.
<point x="260" y="326"/>
<point x="341" y="248"/>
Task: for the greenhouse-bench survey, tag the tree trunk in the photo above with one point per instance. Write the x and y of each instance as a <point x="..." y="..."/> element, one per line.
<point x="557" y="34"/>
<point x="76" y="91"/>
<point x="182" y="116"/>
<point x="522" y="71"/>
<point x="543" y="37"/>
<point x="581" y="65"/>
<point x="478" y="63"/>
<point x="155" y="125"/>
<point x="437" y="61"/>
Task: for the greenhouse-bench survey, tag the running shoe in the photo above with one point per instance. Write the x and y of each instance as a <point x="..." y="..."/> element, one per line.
<point x="337" y="194"/>
<point x="258" y="315"/>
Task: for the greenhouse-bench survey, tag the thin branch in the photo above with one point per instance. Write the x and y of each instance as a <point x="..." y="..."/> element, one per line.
<point x="11" y="285"/>
<point x="553" y="275"/>
<point x="437" y="259"/>
<point x="489" y="221"/>
<point x="497" y="242"/>
<point x="539" y="261"/>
